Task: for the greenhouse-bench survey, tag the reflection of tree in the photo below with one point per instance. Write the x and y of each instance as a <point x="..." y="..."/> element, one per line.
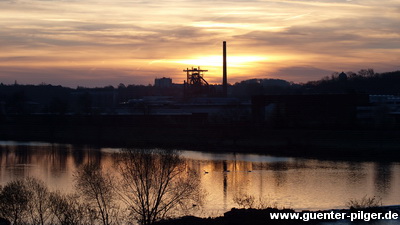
<point x="156" y="183"/>
<point x="23" y="154"/>
<point x="383" y="177"/>
<point x="279" y="172"/>
<point x="83" y="154"/>
<point x="356" y="175"/>
<point x="58" y="158"/>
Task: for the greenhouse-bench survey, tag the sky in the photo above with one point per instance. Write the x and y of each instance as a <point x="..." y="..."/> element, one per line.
<point x="94" y="43"/>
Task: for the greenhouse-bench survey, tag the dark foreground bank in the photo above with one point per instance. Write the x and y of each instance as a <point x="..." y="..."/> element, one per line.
<point x="263" y="216"/>
<point x="388" y="214"/>
<point x="195" y="132"/>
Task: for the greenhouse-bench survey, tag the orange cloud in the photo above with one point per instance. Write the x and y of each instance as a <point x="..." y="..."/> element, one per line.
<point x="60" y="42"/>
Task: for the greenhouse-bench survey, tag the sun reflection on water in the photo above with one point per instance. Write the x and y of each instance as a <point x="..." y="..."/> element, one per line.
<point x="285" y="182"/>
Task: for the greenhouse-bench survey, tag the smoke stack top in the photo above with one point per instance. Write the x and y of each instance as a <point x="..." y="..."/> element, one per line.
<point x="224" y="72"/>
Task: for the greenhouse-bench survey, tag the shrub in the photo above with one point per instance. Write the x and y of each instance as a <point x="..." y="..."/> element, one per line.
<point x="364" y="202"/>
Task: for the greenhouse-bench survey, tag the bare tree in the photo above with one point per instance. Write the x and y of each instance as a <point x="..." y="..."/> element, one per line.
<point x="14" y="199"/>
<point x="244" y="200"/>
<point x="366" y="72"/>
<point x="68" y="210"/>
<point x="155" y="183"/>
<point x="97" y="188"/>
<point x="39" y="202"/>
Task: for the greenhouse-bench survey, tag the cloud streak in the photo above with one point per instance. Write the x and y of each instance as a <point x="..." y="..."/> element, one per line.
<point x="61" y="37"/>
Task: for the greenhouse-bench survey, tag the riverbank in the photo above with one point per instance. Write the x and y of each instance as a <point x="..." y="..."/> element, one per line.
<point x="196" y="134"/>
<point x="263" y="216"/>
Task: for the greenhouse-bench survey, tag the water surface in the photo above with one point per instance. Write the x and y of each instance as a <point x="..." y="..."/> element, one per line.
<point x="286" y="182"/>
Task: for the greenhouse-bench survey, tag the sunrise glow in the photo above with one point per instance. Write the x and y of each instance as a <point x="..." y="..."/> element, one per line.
<point x="216" y="60"/>
<point x="98" y="43"/>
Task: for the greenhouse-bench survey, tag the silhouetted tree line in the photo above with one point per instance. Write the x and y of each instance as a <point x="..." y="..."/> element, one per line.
<point x="44" y="98"/>
<point x="27" y="98"/>
<point x="247" y="88"/>
<point x="149" y="185"/>
<point x="365" y="81"/>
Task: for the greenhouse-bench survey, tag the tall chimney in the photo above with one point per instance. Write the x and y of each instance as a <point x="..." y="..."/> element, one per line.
<point x="224" y="74"/>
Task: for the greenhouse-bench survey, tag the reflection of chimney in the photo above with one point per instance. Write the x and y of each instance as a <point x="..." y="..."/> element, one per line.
<point x="224" y="74"/>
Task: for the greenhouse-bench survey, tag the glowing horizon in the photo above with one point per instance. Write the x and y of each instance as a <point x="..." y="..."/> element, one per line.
<point x="102" y="42"/>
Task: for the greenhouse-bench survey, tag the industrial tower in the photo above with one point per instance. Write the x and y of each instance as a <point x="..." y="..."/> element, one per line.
<point x="194" y="77"/>
<point x="195" y="84"/>
<point x="224" y="72"/>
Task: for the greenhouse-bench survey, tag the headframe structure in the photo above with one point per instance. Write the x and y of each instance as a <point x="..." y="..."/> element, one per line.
<point x="195" y="76"/>
<point x="195" y="84"/>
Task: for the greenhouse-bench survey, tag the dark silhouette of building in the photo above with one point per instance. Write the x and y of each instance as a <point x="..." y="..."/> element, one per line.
<point x="163" y="82"/>
<point x="317" y="110"/>
<point x="342" y="76"/>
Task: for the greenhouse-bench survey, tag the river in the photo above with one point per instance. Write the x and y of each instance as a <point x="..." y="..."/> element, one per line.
<point x="297" y="183"/>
